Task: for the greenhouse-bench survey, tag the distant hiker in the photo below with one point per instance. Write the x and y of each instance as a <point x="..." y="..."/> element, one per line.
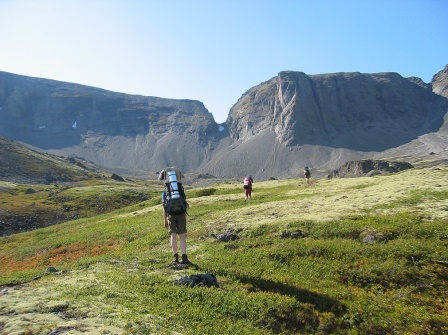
<point x="248" y="187"/>
<point x="174" y="208"/>
<point x="307" y="174"/>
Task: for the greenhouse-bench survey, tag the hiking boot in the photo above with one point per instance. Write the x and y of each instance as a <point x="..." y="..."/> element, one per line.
<point x="175" y="258"/>
<point x="185" y="259"/>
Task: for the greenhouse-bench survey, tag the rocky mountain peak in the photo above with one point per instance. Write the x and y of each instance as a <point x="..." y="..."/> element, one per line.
<point x="440" y="82"/>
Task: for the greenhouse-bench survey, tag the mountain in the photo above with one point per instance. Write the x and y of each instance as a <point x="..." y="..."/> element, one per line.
<point x="273" y="130"/>
<point x="113" y="129"/>
<point x="362" y="112"/>
<point x="323" y="121"/>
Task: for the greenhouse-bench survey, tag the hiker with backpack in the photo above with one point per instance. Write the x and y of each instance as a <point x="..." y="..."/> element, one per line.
<point x="174" y="207"/>
<point x="307" y="174"/>
<point x="248" y="187"/>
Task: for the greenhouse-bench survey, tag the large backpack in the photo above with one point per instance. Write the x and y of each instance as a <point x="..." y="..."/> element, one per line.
<point x="247" y="183"/>
<point x="174" y="200"/>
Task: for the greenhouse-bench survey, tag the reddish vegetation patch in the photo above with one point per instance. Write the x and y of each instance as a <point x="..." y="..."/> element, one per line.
<point x="56" y="256"/>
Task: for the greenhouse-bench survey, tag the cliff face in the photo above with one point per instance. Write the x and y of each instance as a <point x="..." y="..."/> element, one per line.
<point x="362" y="112"/>
<point x="109" y="128"/>
<point x="440" y="82"/>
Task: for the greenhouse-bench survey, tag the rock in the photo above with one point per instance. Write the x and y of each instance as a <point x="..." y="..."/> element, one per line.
<point x="370" y="235"/>
<point x="51" y="269"/>
<point x="226" y="236"/>
<point x="369" y="238"/>
<point x="117" y="177"/>
<point x="206" y="279"/>
<point x="292" y="234"/>
<point x="369" y="168"/>
<point x="30" y="191"/>
<point x="61" y="330"/>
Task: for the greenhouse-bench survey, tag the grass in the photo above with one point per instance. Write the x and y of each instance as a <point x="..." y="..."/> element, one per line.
<point x="42" y="205"/>
<point x="342" y="256"/>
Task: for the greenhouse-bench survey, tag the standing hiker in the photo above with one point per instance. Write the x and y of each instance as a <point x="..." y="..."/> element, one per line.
<point x="248" y="187"/>
<point x="174" y="208"/>
<point x="307" y="174"/>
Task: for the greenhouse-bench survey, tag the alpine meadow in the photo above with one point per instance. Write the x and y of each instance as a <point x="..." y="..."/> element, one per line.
<point x="365" y="255"/>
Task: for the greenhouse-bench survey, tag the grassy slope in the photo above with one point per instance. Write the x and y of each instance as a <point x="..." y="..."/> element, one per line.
<point x="19" y="163"/>
<point x="38" y="190"/>
<point x="114" y="277"/>
<point x="50" y="204"/>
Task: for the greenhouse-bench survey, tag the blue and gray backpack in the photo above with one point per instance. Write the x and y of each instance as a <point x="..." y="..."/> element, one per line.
<point x="174" y="200"/>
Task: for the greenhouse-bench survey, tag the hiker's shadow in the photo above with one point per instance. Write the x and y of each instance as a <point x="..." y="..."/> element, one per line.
<point x="321" y="302"/>
<point x="180" y="266"/>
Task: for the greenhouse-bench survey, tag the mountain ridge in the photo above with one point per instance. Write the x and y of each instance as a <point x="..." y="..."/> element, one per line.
<point x="273" y="130"/>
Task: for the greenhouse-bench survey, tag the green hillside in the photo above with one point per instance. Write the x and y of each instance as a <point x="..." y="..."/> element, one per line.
<point x="22" y="165"/>
<point x="341" y="256"/>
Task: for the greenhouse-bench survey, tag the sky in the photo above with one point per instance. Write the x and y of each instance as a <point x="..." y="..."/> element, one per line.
<point x="215" y="50"/>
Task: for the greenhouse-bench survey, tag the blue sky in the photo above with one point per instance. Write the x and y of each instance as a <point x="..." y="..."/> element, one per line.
<point x="215" y="50"/>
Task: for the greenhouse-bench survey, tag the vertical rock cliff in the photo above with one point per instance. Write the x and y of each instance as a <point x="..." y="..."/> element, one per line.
<point x="363" y="112"/>
<point x="440" y="82"/>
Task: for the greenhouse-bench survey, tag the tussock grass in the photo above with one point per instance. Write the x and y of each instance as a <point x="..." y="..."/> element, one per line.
<point x="342" y="256"/>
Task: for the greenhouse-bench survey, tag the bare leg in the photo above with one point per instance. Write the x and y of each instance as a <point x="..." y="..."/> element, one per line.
<point x="183" y="243"/>
<point x="174" y="242"/>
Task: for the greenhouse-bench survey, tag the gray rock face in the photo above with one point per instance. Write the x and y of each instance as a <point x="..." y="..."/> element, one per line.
<point x="440" y="82"/>
<point x="109" y="128"/>
<point x="361" y="112"/>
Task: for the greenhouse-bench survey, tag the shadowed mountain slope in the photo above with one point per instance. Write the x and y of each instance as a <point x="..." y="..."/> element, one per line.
<point x="20" y="164"/>
<point x="113" y="129"/>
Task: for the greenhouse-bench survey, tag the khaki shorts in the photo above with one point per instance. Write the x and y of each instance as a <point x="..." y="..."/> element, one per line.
<point x="178" y="223"/>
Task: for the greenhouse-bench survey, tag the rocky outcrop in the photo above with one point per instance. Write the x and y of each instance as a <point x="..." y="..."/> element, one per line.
<point x="440" y="82"/>
<point x="369" y="167"/>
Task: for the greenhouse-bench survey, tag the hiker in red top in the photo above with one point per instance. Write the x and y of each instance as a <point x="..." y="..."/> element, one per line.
<point x="248" y="187"/>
